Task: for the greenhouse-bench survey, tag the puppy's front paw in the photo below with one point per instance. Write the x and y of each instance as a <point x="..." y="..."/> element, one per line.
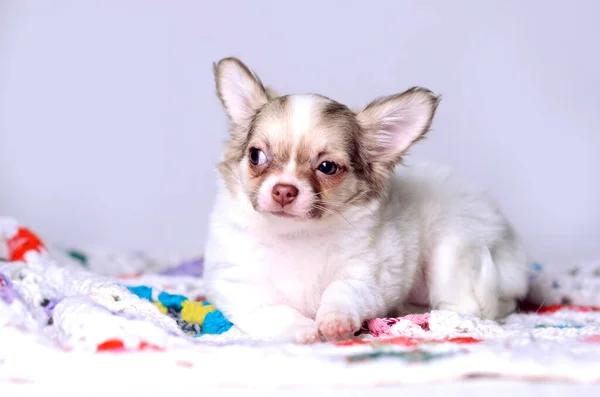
<point x="338" y="325"/>
<point x="307" y="334"/>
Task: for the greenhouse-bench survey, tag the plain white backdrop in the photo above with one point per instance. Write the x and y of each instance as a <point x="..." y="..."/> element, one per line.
<point x="110" y="128"/>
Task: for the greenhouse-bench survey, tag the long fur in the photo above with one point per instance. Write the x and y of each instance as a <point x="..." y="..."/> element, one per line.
<point x="383" y="235"/>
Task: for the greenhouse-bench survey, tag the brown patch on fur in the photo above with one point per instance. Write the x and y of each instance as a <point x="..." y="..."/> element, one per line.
<point x="257" y="176"/>
<point x="275" y="110"/>
<point x="305" y="171"/>
<point x="368" y="187"/>
<point x="365" y="188"/>
<point x="278" y="154"/>
<point x="324" y="187"/>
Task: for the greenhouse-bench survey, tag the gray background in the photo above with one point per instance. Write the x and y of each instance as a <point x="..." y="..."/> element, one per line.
<point x="110" y="129"/>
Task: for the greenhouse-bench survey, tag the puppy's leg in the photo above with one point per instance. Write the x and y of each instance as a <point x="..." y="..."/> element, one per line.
<point x="463" y="279"/>
<point x="277" y="323"/>
<point x="345" y="304"/>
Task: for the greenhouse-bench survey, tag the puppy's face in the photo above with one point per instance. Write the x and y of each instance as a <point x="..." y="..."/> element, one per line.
<point x="307" y="156"/>
<point x="302" y="158"/>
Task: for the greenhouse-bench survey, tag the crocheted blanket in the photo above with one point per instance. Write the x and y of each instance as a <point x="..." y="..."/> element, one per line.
<point x="139" y="322"/>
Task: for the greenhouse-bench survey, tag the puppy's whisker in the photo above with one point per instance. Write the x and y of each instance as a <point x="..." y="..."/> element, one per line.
<point x="337" y="205"/>
<point x="323" y="192"/>
<point x="335" y="212"/>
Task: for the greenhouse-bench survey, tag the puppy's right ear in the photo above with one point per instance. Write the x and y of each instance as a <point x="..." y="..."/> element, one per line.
<point x="239" y="89"/>
<point x="392" y="124"/>
<point x="271" y="93"/>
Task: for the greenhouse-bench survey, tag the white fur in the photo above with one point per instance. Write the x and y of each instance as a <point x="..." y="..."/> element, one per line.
<point x="432" y="238"/>
<point x="302" y="115"/>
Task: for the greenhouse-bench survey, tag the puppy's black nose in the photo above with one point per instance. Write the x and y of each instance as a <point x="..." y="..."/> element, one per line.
<point x="284" y="193"/>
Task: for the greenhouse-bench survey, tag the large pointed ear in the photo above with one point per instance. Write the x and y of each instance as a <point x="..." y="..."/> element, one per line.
<point x="240" y="90"/>
<point x="271" y="93"/>
<point x="392" y="124"/>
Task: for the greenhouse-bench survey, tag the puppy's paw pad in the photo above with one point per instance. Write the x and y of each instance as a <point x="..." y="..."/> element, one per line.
<point x="338" y="325"/>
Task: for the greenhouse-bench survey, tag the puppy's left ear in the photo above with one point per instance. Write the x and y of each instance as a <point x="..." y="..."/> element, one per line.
<point x="240" y="90"/>
<point x="392" y="124"/>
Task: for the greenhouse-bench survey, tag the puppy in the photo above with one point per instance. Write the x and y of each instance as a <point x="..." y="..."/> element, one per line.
<point x="314" y="231"/>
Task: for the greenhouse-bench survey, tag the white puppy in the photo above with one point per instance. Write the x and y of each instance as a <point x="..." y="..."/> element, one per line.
<point x="313" y="232"/>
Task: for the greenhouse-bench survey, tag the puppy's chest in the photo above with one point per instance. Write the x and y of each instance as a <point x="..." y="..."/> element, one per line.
<point x="298" y="271"/>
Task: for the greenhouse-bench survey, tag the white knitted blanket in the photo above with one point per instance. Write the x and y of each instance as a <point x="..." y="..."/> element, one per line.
<point x="554" y="343"/>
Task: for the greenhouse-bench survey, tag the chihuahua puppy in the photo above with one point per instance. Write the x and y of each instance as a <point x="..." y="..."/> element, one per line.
<point x="314" y="230"/>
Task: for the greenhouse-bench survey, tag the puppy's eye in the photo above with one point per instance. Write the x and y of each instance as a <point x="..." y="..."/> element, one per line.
<point x="257" y="157"/>
<point x="328" y="167"/>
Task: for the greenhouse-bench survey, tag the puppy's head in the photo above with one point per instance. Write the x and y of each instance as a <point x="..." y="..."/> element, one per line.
<point x="307" y="156"/>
